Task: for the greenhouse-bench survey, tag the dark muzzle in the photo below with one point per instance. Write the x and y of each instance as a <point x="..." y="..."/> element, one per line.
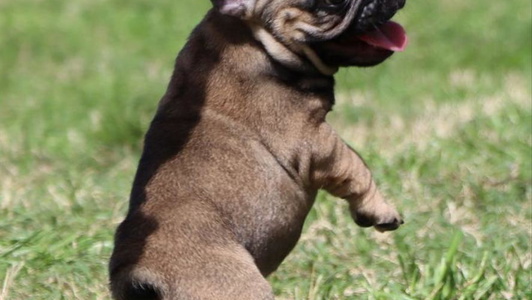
<point x="373" y="13"/>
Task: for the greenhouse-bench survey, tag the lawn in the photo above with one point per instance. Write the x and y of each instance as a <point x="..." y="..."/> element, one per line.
<point x="445" y="126"/>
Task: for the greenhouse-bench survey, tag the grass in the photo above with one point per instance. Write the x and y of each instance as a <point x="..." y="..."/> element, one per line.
<point x="446" y="127"/>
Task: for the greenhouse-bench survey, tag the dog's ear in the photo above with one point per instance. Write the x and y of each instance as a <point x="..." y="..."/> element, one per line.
<point x="235" y="8"/>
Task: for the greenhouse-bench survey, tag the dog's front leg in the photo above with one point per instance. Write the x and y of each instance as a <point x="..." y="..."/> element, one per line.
<point x="338" y="169"/>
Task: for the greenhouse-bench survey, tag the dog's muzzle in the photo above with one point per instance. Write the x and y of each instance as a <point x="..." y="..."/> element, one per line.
<point x="374" y="13"/>
<point x="369" y="39"/>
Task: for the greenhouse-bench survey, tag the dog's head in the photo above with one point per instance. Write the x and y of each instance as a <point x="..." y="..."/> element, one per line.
<point x="328" y="33"/>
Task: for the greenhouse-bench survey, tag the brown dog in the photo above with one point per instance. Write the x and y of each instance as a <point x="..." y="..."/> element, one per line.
<point x="239" y="148"/>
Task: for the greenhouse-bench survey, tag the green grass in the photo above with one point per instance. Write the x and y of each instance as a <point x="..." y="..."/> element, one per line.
<point x="446" y="127"/>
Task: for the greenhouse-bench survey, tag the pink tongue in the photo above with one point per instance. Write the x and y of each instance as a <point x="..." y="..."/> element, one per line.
<point x="390" y="36"/>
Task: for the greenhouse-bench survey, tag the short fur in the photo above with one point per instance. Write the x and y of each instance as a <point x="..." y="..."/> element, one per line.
<point x="234" y="158"/>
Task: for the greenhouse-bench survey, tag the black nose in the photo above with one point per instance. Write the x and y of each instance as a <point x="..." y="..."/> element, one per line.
<point x="372" y="13"/>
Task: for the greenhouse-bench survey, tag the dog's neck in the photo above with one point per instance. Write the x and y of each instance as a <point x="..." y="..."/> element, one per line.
<point x="223" y="66"/>
<point x="228" y="45"/>
<point x="256" y="51"/>
<point x="287" y="57"/>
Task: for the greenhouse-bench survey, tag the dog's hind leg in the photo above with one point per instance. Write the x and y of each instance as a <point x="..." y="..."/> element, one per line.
<point x="232" y="277"/>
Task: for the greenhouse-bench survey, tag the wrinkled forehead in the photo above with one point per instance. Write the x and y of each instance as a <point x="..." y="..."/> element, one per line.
<point x="258" y="8"/>
<point x="328" y="17"/>
<point x="340" y="7"/>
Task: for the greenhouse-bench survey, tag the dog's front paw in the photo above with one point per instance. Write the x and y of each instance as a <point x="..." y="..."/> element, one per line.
<point x="383" y="217"/>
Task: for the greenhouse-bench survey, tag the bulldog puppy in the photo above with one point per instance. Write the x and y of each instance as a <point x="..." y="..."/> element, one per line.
<point x="239" y="147"/>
